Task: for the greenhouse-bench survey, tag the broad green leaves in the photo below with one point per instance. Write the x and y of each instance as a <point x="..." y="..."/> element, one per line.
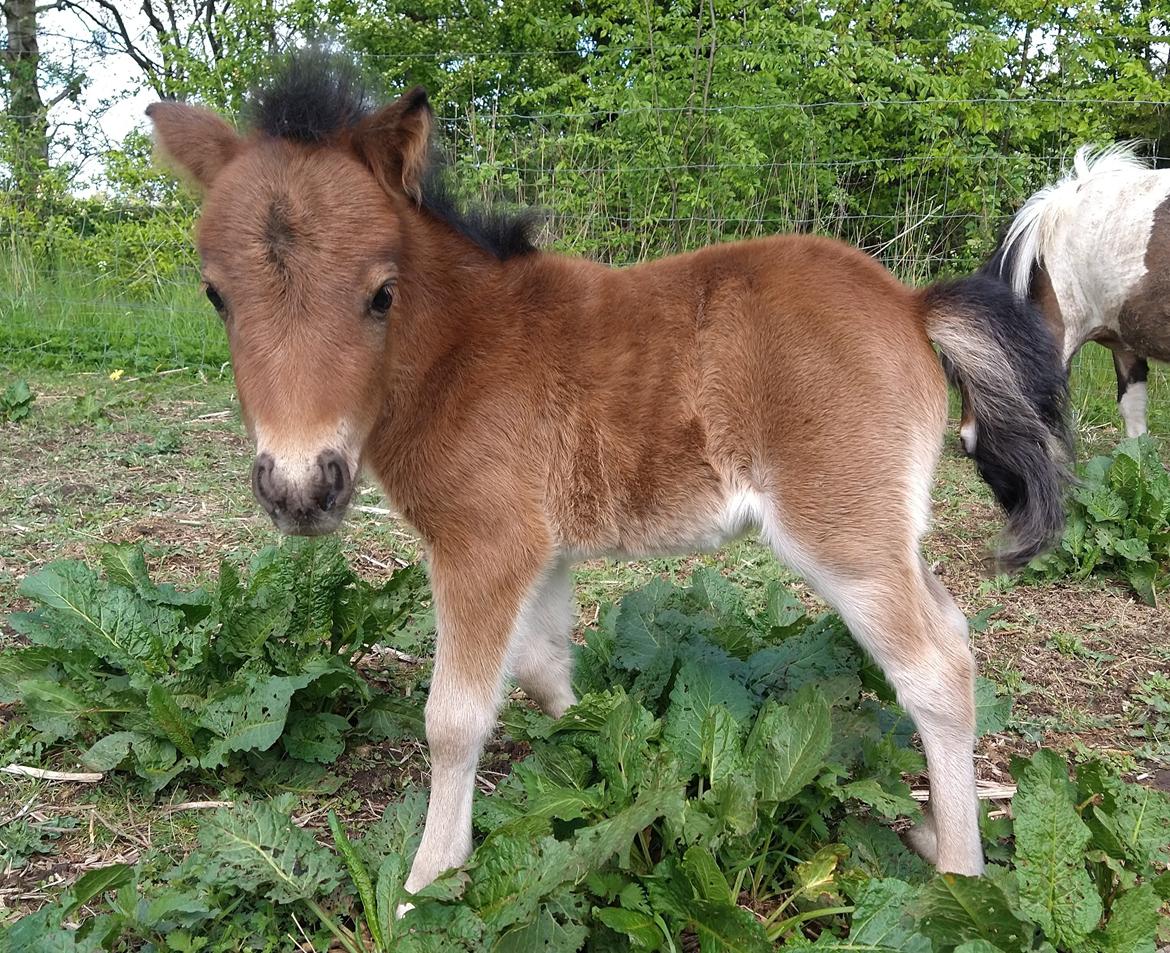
<point x="16" y="401"/>
<point x="1055" y="889"/>
<point x="955" y="909"/>
<point x="788" y="745"/>
<point x="1119" y="521"/>
<point x="163" y="682"/>
<point x="257" y="848"/>
<point x="716" y="806"/>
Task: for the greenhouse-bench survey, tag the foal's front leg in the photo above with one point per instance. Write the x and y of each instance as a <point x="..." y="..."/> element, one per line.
<point x="478" y="598"/>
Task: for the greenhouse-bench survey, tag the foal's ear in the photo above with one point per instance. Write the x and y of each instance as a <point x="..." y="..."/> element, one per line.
<point x="395" y="140"/>
<point x="193" y="140"/>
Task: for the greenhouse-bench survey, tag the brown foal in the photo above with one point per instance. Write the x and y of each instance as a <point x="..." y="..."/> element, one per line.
<point x="524" y="410"/>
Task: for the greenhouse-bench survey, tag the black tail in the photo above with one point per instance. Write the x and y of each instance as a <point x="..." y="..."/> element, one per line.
<point x="1001" y="355"/>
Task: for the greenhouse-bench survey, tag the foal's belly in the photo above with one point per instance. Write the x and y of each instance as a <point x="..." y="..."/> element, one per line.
<point x="679" y="531"/>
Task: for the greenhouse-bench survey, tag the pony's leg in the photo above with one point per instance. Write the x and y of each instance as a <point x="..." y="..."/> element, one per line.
<point x="967" y="431"/>
<point x="919" y="639"/>
<point x="478" y="598"/>
<point x="920" y="642"/>
<point x="541" y="655"/>
<point x="1132" y="373"/>
<point x="924" y="837"/>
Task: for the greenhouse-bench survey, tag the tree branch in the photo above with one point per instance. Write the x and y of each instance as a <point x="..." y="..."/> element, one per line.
<point x="160" y="31"/>
<point x="68" y="92"/>
<point x="146" y="64"/>
<point x="152" y="18"/>
<point x="175" y="38"/>
<point x="209" y="25"/>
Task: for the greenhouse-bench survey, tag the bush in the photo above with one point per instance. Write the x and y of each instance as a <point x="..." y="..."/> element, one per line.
<point x="1119" y="521"/>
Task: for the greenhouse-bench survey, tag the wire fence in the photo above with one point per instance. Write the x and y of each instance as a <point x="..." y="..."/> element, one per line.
<point x="112" y="279"/>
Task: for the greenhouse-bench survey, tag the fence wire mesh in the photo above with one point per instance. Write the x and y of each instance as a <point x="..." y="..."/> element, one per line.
<point x="112" y="279"/>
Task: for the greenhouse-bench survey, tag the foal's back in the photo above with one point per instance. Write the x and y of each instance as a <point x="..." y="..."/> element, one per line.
<point x="793" y="370"/>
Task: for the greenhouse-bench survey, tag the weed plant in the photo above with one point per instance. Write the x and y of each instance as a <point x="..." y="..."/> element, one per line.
<point x="729" y="780"/>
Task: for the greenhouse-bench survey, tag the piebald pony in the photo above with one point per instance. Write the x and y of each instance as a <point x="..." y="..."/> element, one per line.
<point x="1092" y="252"/>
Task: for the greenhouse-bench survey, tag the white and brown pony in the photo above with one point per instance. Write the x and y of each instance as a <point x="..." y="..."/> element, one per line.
<point x="525" y="410"/>
<point x="1092" y="252"/>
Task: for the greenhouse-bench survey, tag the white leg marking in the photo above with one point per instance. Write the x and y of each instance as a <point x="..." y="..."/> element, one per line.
<point x="462" y="710"/>
<point x="919" y="639"/>
<point x="1133" y="408"/>
<point x="932" y="671"/>
<point x="967" y="437"/>
<point x="540" y="653"/>
<point x="460" y="719"/>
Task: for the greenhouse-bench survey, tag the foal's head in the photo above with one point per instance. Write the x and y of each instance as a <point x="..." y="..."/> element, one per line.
<point x="300" y="239"/>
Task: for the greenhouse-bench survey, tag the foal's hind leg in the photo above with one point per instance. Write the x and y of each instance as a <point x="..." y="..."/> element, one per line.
<point x="540" y="653"/>
<point x="919" y="639"/>
<point x="1132" y="373"/>
<point x="924" y="837"/>
<point x="920" y="642"/>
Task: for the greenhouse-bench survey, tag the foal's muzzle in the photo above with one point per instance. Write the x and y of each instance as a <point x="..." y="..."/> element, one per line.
<point x="308" y="503"/>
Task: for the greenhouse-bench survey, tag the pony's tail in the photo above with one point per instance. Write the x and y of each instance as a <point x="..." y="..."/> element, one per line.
<point x="999" y="352"/>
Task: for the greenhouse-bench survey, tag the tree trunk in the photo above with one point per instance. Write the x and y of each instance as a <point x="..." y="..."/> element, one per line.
<point x="28" y="144"/>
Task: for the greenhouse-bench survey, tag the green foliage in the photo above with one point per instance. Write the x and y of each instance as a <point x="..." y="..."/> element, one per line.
<point x="16" y="401"/>
<point x="912" y="130"/>
<point x="21" y="839"/>
<point x="1119" y="521"/>
<point x="646" y="129"/>
<point x="712" y="799"/>
<point x="159" y="681"/>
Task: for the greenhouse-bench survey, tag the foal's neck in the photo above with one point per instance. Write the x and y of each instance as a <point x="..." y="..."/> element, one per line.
<point x="449" y="284"/>
<point x="457" y="337"/>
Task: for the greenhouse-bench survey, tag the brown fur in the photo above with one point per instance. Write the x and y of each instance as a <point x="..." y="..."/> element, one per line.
<point x="1145" y="316"/>
<point x="1044" y="297"/>
<point x="209" y="143"/>
<point x="527" y="412"/>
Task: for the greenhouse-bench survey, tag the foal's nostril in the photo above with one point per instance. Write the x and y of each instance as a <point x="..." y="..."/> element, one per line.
<point x="335" y="475"/>
<point x="301" y="499"/>
<point x="262" y="484"/>
<point x="335" y="481"/>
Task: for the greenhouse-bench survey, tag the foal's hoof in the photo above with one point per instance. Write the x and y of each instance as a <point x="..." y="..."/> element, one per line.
<point x="402" y="910"/>
<point x="923" y="841"/>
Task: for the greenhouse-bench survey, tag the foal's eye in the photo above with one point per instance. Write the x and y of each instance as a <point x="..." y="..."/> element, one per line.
<point x="214" y="297"/>
<point x="380" y="303"/>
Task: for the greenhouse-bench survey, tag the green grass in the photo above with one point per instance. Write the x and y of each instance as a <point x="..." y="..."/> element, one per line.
<point x="71" y="317"/>
<point x="1094" y="392"/>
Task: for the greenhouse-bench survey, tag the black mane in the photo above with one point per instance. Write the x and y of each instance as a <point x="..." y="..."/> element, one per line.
<point x="506" y="234"/>
<point x="315" y="95"/>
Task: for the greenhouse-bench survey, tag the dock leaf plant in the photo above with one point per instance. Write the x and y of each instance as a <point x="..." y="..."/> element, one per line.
<point x="729" y="780"/>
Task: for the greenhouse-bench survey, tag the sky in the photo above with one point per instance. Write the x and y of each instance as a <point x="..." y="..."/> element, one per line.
<point x="113" y="80"/>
